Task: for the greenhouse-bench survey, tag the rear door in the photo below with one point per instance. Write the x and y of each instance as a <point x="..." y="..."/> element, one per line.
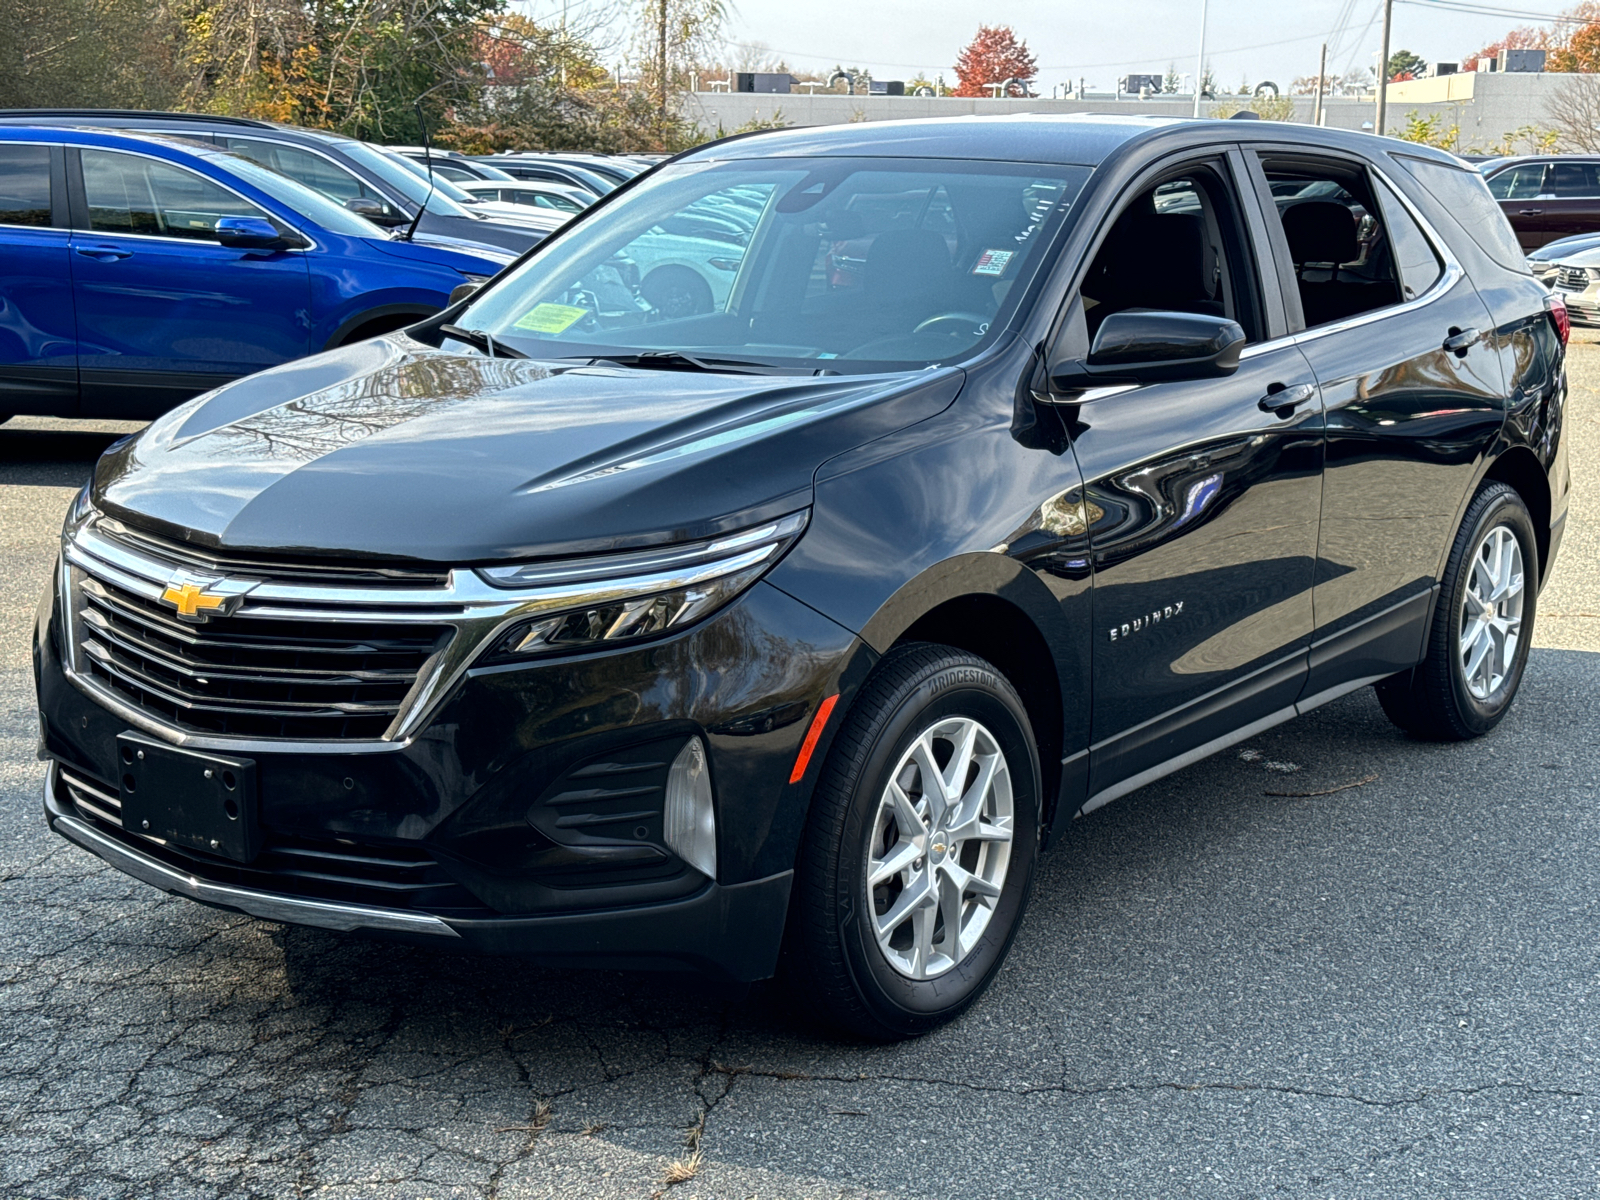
<point x="1519" y="191"/>
<point x="1201" y="497"/>
<point x="1402" y="347"/>
<point x="38" y="335"/>
<point x="164" y="311"/>
<point x="1570" y="202"/>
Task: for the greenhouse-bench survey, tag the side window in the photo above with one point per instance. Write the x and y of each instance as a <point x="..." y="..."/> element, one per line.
<point x="24" y="185"/>
<point x="130" y="194"/>
<point x="316" y="172"/>
<point x="1518" y="183"/>
<point x="1419" y="265"/>
<point x="1468" y="202"/>
<point x="1180" y="247"/>
<point x="1345" y="253"/>
<point x="1571" y="181"/>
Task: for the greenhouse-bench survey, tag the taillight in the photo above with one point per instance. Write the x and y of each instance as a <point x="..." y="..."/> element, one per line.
<point x="1559" y="314"/>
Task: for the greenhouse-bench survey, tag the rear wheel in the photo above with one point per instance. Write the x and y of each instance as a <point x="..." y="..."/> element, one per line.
<point x="919" y="850"/>
<point x="1478" y="643"/>
<point x="676" y="292"/>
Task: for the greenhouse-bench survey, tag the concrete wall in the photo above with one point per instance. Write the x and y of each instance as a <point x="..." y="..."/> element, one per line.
<point x="1487" y="107"/>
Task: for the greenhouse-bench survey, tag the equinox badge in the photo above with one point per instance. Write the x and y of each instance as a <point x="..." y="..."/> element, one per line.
<point x="1140" y="624"/>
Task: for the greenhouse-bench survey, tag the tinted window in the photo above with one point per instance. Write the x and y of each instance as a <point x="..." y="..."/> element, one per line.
<point x="24" y="185"/>
<point x="316" y="172"/>
<point x="1518" y="183"/>
<point x="1572" y="181"/>
<point x="1470" y="205"/>
<point x="1419" y="265"/>
<point x="130" y="194"/>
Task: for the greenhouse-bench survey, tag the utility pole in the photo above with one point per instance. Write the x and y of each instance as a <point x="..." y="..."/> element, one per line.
<point x="1383" y="69"/>
<point x="1322" y="74"/>
<point x="1200" y="65"/>
<point x="661" y="63"/>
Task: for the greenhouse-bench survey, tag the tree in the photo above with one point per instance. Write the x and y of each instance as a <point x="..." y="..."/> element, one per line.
<point x="994" y="56"/>
<point x="1405" y="65"/>
<point x="1171" y="81"/>
<point x="1575" y="112"/>
<point x="671" y="37"/>
<point x="1268" y="108"/>
<point x="1580" y="54"/>
<point x="1429" y="131"/>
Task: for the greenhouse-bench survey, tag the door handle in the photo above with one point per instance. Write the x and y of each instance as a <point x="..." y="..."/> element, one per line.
<point x="104" y="253"/>
<point x="1461" y="340"/>
<point x="1281" y="401"/>
<point x="1529" y="212"/>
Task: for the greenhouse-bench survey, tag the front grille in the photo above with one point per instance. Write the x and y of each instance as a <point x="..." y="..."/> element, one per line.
<point x="324" y="868"/>
<point x="248" y="677"/>
<point x="1573" y="279"/>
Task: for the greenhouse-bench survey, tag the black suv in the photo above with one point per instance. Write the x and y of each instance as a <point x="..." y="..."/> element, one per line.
<point x="362" y="177"/>
<point x="1018" y="462"/>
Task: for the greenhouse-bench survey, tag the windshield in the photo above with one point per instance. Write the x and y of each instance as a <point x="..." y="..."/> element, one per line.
<point x="862" y="264"/>
<point x="297" y="197"/>
<point x="388" y="167"/>
<point x="446" y="185"/>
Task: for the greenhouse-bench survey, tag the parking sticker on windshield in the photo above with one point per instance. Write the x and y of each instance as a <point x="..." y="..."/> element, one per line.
<point x="549" y="318"/>
<point x="993" y="262"/>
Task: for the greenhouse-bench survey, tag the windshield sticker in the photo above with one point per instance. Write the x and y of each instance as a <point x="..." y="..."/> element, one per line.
<point x="549" y="318"/>
<point x="993" y="262"/>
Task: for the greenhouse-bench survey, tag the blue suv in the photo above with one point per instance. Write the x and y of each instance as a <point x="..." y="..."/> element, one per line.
<point x="139" y="270"/>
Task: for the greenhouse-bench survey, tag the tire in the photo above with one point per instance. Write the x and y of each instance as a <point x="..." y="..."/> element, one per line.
<point x="1439" y="700"/>
<point x="876" y="989"/>
<point x="677" y="292"/>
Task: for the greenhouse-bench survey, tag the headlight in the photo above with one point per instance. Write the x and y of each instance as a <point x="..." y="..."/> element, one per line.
<point x="78" y="513"/>
<point x="623" y="597"/>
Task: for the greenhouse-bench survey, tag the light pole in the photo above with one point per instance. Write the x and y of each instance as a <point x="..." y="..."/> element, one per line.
<point x="1383" y="70"/>
<point x="1200" y="63"/>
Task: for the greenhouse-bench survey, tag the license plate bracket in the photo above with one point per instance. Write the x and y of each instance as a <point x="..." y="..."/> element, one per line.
<point x="192" y="799"/>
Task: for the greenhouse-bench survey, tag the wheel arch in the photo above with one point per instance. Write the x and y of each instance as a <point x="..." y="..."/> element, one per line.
<point x="992" y="606"/>
<point x="1519" y="469"/>
<point x="391" y="316"/>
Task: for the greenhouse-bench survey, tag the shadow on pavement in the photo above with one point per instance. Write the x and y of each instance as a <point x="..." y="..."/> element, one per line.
<point x="50" y="457"/>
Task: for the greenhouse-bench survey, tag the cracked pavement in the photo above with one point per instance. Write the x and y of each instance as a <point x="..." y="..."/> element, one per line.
<point x="1221" y="990"/>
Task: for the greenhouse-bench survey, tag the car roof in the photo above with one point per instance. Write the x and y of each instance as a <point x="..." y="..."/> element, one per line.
<point x="1083" y="139"/>
<point x="117" y="118"/>
<point x="95" y="135"/>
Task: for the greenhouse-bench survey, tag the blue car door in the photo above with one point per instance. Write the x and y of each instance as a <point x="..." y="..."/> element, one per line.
<point x="38" y="338"/>
<point x="164" y="310"/>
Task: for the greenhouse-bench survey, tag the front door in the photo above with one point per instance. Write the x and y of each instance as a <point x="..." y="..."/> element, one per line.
<point x="1201" y="498"/>
<point x="1402" y="348"/>
<point x="38" y="337"/>
<point x="164" y="311"/>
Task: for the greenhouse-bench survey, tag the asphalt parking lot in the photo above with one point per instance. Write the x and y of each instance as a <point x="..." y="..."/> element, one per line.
<point x="1334" y="963"/>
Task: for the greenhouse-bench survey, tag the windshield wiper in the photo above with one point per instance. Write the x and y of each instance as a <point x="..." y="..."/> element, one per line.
<point x="480" y="340"/>
<point x="673" y="360"/>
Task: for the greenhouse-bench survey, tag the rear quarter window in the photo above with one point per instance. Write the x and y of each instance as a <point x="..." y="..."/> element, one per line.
<point x="1467" y="198"/>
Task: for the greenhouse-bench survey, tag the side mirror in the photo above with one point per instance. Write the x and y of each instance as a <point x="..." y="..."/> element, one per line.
<point x="1154" y="347"/>
<point x="462" y="290"/>
<point x="255" y="233"/>
<point x="375" y="211"/>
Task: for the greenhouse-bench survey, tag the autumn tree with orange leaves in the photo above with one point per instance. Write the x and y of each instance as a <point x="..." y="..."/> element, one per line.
<point x="994" y="56"/>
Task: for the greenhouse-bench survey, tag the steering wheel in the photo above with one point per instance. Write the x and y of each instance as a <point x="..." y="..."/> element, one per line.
<point x="978" y="319"/>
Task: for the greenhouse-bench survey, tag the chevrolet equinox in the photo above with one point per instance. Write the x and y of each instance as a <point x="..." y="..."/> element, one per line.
<point x="1017" y="462"/>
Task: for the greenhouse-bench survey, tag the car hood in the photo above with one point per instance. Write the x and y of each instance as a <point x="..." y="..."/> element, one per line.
<point x="458" y="253"/>
<point x="391" y="449"/>
<point x="1580" y="258"/>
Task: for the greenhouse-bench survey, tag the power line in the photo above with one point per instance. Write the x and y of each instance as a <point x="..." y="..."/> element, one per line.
<point x="1487" y="10"/>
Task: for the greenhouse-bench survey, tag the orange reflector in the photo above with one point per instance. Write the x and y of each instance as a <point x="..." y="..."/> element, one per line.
<point x="818" y="723"/>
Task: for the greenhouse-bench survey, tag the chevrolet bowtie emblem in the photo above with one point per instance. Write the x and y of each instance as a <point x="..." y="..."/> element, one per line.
<point x="198" y="600"/>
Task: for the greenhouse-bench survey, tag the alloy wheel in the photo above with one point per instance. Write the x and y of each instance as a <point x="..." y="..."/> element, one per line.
<point x="940" y="848"/>
<point x="1491" y="612"/>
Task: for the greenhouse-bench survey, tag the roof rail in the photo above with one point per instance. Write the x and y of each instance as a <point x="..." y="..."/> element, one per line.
<point x="137" y="113"/>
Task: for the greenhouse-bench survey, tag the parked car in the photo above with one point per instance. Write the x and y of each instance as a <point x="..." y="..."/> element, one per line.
<point x="1545" y="261"/>
<point x="1548" y="197"/>
<point x="556" y="197"/>
<point x="360" y="176"/>
<point x="452" y="164"/>
<point x="484" y="205"/>
<point x="540" y="169"/>
<point x="1576" y="279"/>
<point x="563" y="626"/>
<point x="137" y="270"/>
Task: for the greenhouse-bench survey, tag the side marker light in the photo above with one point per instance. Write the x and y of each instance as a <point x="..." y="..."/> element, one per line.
<point x="818" y="724"/>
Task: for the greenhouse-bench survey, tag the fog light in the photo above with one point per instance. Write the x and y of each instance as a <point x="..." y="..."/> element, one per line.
<point x="691" y="825"/>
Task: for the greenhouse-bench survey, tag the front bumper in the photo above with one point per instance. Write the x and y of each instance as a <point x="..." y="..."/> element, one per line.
<point x="728" y="931"/>
<point x="449" y="838"/>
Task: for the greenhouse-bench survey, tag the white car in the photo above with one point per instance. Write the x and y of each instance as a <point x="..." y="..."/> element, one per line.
<point x="556" y="199"/>
<point x="1577" y="281"/>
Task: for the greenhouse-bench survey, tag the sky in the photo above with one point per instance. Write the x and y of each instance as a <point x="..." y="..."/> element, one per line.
<point x="1104" y="40"/>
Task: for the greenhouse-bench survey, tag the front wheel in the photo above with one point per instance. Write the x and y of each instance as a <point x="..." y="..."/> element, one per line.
<point x="1482" y="626"/>
<point x="919" y="850"/>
